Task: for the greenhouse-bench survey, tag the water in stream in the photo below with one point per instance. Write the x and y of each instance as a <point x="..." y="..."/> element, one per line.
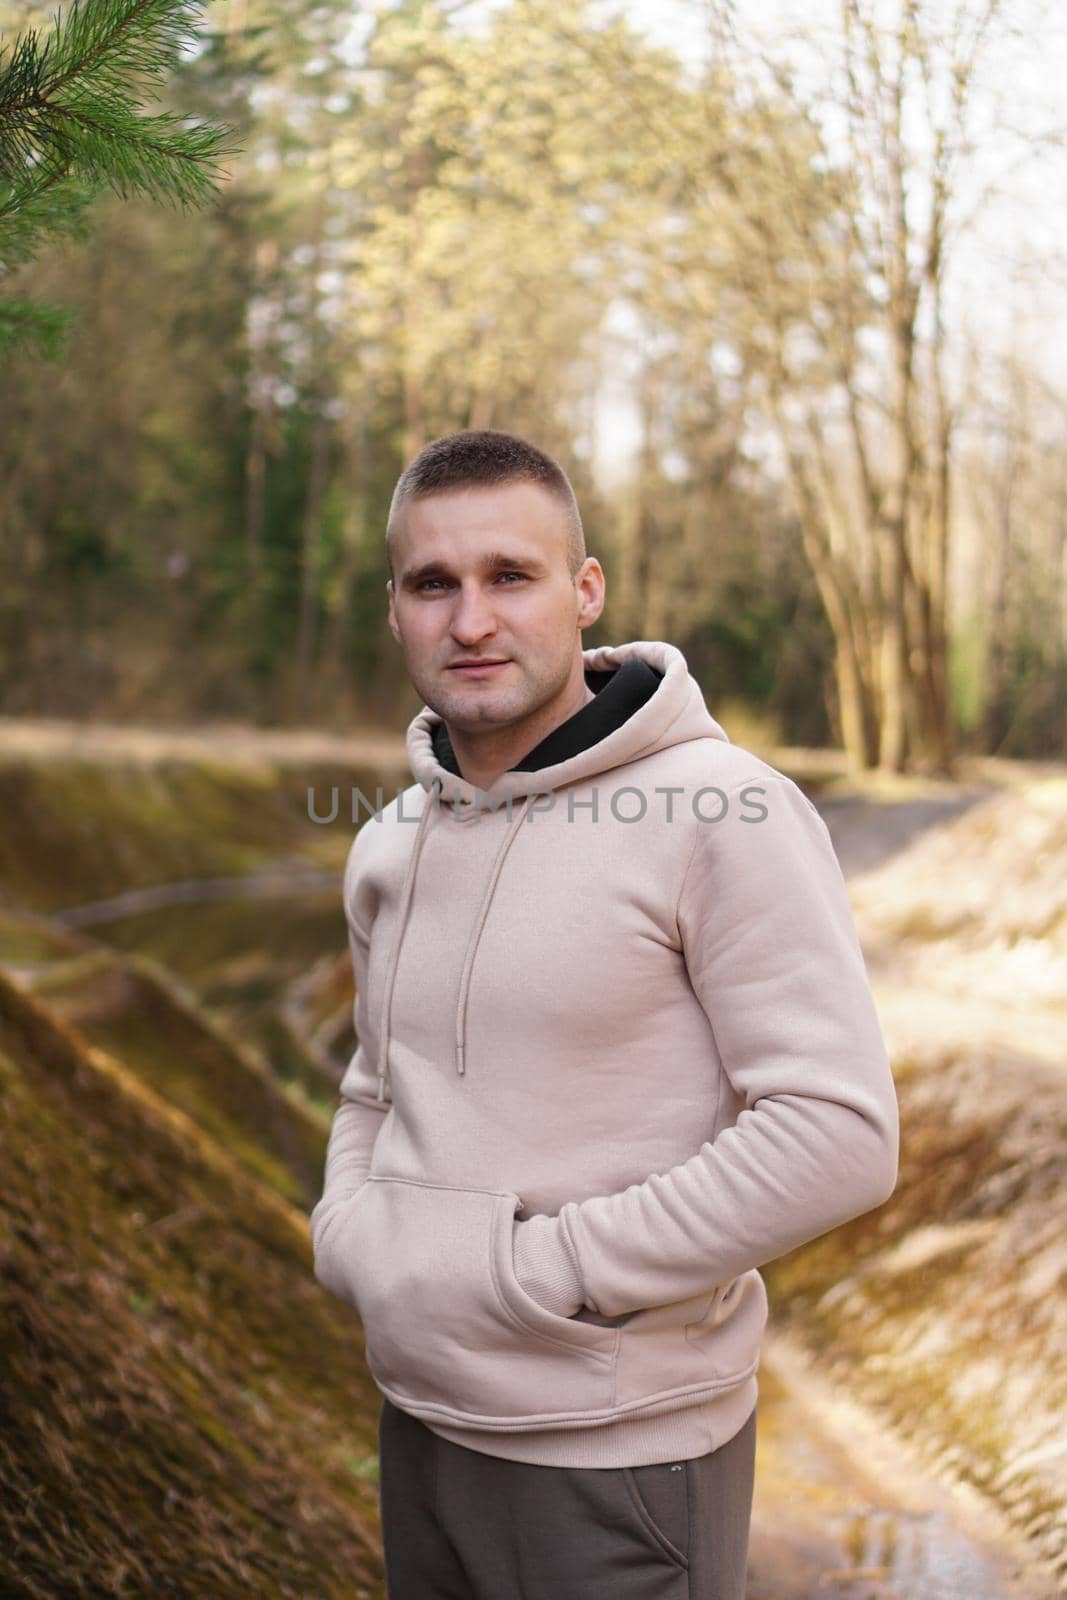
<point x="840" y="1509"/>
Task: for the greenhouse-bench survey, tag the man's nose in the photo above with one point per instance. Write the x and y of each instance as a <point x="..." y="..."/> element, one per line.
<point x="472" y="617"/>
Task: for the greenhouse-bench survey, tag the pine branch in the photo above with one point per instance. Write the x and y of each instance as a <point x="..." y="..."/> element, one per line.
<point x="71" y="106"/>
<point x="71" y="124"/>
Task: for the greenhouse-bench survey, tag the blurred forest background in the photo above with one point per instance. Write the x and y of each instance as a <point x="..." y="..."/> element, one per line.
<point x="721" y="274"/>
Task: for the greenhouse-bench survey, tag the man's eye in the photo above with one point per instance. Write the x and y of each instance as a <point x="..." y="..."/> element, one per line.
<point x="431" y="583"/>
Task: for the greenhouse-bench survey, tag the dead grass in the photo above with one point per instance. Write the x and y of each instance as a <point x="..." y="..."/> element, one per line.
<point x="183" y="1409"/>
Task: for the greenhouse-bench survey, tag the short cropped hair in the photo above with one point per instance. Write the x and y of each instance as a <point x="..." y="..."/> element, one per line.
<point x="478" y="457"/>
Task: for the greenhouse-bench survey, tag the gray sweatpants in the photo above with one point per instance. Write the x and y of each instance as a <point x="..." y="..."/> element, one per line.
<point x="461" y="1525"/>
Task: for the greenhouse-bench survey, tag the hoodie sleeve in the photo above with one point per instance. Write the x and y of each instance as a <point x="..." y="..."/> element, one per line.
<point x="359" y="1116"/>
<point x="774" y="958"/>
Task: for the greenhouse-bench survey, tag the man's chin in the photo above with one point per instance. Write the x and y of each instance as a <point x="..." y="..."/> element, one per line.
<point x="467" y="720"/>
<point x="480" y="707"/>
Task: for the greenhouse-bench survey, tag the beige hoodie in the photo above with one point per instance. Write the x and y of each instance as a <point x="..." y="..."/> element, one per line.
<point x="615" y="1050"/>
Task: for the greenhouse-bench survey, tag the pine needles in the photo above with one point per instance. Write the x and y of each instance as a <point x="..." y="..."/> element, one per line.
<point x="72" y="123"/>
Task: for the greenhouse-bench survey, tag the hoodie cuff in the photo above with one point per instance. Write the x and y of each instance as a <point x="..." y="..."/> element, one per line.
<point x="545" y="1267"/>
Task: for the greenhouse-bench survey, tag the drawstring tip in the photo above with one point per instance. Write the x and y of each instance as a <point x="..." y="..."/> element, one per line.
<point x="381" y="1086"/>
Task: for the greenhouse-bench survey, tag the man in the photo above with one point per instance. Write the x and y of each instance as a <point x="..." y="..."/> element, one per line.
<point x="617" y="1048"/>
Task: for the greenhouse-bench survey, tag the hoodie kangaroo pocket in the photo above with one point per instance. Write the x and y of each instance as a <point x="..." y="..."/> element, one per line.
<point x="449" y="1331"/>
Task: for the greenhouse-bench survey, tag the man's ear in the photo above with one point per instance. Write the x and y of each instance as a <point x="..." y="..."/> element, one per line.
<point x="592" y="591"/>
<point x="393" y="629"/>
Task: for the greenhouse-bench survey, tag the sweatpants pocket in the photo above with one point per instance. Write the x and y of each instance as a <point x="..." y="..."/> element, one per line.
<point x="449" y="1330"/>
<point x="659" y="1495"/>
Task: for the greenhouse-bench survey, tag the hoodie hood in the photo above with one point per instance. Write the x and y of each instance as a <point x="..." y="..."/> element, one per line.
<point x="674" y="714"/>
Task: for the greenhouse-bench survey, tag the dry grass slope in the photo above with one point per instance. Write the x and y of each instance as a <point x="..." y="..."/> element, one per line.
<point x="183" y="1411"/>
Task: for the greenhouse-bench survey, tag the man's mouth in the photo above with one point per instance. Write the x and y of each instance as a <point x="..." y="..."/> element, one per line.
<point x="488" y="665"/>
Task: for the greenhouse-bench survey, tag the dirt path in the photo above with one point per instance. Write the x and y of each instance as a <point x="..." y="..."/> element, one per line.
<point x="236" y="744"/>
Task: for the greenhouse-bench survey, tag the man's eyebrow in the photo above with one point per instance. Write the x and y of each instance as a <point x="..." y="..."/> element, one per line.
<point x="495" y="559"/>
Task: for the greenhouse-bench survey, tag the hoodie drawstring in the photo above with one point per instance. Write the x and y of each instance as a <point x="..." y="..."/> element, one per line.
<point x="472" y="946"/>
<point x="402" y="916"/>
<point x="394" y="957"/>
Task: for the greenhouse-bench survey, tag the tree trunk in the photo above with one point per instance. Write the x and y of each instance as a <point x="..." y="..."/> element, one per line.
<point x="318" y="477"/>
<point x="262" y="405"/>
<point x="840" y="593"/>
<point x="997" y="718"/>
<point x="338" y="625"/>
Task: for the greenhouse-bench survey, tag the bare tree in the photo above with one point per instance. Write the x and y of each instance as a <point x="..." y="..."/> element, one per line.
<point x="840" y="307"/>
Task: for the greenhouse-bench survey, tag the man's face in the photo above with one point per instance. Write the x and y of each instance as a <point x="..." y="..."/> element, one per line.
<point x="481" y="575"/>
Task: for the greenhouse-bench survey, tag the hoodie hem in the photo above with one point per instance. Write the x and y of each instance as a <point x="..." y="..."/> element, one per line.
<point x="678" y="1435"/>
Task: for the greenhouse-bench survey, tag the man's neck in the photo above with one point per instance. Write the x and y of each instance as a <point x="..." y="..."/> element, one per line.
<point x="483" y="758"/>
